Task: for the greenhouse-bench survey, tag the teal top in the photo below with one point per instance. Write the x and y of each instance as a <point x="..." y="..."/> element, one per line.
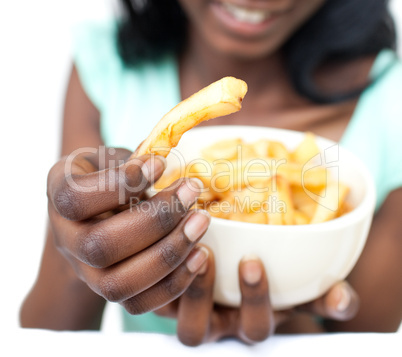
<point x="132" y="100"/>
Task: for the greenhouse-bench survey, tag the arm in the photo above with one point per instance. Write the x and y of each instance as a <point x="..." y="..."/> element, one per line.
<point x="139" y="258"/>
<point x="52" y="303"/>
<point x="376" y="279"/>
<point x="377" y="275"/>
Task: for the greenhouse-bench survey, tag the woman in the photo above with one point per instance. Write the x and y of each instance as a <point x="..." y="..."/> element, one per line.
<point x="311" y="65"/>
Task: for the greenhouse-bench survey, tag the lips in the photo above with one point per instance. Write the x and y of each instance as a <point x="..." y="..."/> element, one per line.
<point x="246" y="15"/>
<point x="244" y="20"/>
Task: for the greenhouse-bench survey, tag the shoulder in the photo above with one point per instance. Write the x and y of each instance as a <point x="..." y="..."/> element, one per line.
<point x="380" y="106"/>
<point x="96" y="58"/>
<point x="383" y="98"/>
<point x="374" y="133"/>
<point x="103" y="74"/>
<point x="130" y="99"/>
<point x="386" y="83"/>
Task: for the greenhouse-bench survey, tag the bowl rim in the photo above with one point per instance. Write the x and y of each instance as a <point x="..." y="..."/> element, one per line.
<point x="366" y="206"/>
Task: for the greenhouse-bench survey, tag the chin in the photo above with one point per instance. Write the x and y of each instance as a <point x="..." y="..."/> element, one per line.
<point x="246" y="51"/>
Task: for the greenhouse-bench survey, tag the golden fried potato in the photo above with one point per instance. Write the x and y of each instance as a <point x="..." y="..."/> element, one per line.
<point x="307" y="150"/>
<point x="300" y="218"/>
<point x="218" y="99"/>
<point x="223" y="150"/>
<point x="329" y="203"/>
<point x="262" y="182"/>
<point x="281" y="207"/>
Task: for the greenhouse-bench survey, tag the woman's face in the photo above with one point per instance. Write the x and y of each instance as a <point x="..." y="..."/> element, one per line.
<point x="247" y="29"/>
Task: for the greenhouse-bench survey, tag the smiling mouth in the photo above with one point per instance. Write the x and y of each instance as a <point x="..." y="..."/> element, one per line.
<point x="246" y="15"/>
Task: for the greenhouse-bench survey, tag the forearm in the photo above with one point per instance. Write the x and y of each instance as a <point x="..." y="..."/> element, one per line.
<point x="377" y="275"/>
<point x="376" y="279"/>
<point x="59" y="300"/>
<point x="300" y="323"/>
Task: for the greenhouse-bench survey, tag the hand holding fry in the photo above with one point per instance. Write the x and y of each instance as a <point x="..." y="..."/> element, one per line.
<point x="138" y="252"/>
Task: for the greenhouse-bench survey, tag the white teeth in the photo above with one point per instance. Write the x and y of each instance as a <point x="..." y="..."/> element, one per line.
<point x="246" y="15"/>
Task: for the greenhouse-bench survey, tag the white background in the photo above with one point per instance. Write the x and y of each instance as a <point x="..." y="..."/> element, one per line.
<point x="34" y="66"/>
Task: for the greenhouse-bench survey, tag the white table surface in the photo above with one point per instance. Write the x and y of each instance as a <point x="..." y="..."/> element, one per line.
<point x="23" y="342"/>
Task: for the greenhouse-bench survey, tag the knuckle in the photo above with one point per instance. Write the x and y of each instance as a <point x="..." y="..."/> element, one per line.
<point x="67" y="203"/>
<point x="132" y="174"/>
<point x="170" y="256"/>
<point x="195" y="292"/>
<point x="173" y="286"/>
<point x="92" y="249"/>
<point x="256" y="299"/>
<point x="165" y="218"/>
<point x="110" y="288"/>
<point x="135" y="306"/>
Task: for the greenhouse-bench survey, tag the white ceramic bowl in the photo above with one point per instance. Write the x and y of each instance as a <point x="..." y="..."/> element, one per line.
<point x="302" y="262"/>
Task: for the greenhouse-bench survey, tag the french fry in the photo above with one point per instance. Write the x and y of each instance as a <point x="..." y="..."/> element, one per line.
<point x="346" y="207"/>
<point x="300" y="218"/>
<point x="263" y="182"/>
<point x="235" y="174"/>
<point x="281" y="210"/>
<point x="167" y="179"/>
<point x="306" y="150"/>
<point x="329" y="203"/>
<point x="247" y="152"/>
<point x="315" y="177"/>
<point x="304" y="203"/>
<point x="278" y="150"/>
<point x="285" y="196"/>
<point x="221" y="209"/>
<point x="201" y="170"/>
<point x="218" y="99"/>
<point x="274" y="213"/>
<point x="261" y="148"/>
<point x="258" y="217"/>
<point x="249" y="200"/>
<point x="224" y="149"/>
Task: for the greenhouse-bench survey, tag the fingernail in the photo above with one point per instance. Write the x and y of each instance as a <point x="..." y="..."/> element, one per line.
<point x="153" y="167"/>
<point x="196" y="225"/>
<point x="203" y="269"/>
<point x="189" y="191"/>
<point x="252" y="272"/>
<point x="343" y="299"/>
<point x="195" y="262"/>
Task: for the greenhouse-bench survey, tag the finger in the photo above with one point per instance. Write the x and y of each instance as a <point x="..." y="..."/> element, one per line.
<point x="107" y="158"/>
<point x="224" y="323"/>
<point x="169" y="288"/>
<point x="79" y="193"/>
<point x="104" y="243"/>
<point x="138" y="273"/>
<point x="341" y="303"/>
<point x="256" y="314"/>
<point x="282" y="316"/>
<point x="196" y="305"/>
<point x="168" y="310"/>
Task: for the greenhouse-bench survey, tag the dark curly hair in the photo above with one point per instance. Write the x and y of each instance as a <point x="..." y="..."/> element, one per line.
<point x="340" y="30"/>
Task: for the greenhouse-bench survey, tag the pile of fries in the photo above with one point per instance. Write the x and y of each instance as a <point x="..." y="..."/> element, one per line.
<point x="264" y="182"/>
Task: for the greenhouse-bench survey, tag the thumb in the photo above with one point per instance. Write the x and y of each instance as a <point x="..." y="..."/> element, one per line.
<point x="341" y="302"/>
